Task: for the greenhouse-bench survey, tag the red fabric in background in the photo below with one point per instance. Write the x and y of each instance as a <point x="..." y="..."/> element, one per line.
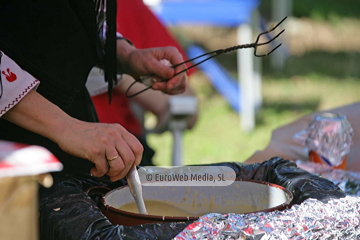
<point x="118" y="111"/>
<point x="136" y="22"/>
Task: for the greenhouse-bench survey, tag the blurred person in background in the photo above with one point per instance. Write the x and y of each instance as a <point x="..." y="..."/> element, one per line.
<point x="136" y="22"/>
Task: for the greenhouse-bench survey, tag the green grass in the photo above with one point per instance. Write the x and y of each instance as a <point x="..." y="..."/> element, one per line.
<point x="314" y="81"/>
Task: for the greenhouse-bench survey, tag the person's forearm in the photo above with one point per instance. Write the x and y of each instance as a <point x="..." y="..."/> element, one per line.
<point x="154" y="101"/>
<point x="123" y="50"/>
<point x="150" y="100"/>
<point x="95" y="142"/>
<point x="38" y="115"/>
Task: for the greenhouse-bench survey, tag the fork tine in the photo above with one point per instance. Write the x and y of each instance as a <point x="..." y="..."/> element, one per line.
<point x="272" y="39"/>
<point x="263" y="55"/>
<point x="272" y="29"/>
<point x="257" y="44"/>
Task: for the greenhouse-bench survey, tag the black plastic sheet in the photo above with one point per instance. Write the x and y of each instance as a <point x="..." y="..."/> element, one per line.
<point x="68" y="213"/>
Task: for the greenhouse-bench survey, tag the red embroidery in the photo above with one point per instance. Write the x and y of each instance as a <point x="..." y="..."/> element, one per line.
<point x="16" y="100"/>
<point x="10" y="76"/>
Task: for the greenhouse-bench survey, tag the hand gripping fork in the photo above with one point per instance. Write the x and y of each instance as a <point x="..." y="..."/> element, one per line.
<point x="215" y="53"/>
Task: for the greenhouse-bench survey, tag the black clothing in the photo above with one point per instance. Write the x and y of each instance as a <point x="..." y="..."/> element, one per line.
<point x="55" y="41"/>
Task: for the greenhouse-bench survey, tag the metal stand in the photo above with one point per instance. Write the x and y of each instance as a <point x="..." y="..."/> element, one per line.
<point x="177" y="128"/>
<point x="181" y="108"/>
<point x="249" y="76"/>
<point x="280" y="9"/>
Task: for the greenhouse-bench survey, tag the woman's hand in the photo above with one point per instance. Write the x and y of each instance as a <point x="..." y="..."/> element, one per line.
<point x="110" y="147"/>
<point x="96" y="142"/>
<point x="146" y="62"/>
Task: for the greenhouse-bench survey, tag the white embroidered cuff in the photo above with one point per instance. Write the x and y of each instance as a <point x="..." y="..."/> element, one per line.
<point x="15" y="83"/>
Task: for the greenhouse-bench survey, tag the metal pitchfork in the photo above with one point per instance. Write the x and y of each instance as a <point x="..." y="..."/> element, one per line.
<point x="215" y="53"/>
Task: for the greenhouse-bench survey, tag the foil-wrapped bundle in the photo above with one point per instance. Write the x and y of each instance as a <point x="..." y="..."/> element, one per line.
<point x="347" y="181"/>
<point x="329" y="137"/>
<point x="313" y="219"/>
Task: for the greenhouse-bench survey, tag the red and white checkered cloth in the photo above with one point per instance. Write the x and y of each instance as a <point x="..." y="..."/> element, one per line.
<point x="18" y="159"/>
